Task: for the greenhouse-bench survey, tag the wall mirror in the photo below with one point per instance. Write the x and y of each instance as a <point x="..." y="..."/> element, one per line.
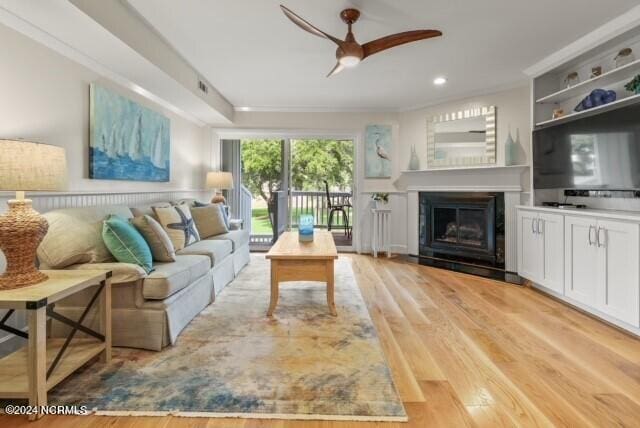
<point x="464" y="138"/>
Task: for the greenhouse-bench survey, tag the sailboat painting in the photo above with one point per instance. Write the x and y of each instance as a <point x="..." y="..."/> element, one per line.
<point x="127" y="141"/>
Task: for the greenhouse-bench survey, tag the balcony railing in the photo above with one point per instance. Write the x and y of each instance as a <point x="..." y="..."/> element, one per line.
<point x="315" y="203"/>
<point x="309" y="202"/>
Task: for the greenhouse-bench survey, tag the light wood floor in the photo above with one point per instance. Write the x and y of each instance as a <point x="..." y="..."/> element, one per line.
<point x="466" y="351"/>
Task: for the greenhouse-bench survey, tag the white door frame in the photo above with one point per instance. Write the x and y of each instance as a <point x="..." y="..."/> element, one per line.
<point x="293" y="134"/>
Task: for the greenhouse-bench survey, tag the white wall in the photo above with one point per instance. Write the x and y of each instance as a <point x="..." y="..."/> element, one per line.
<point x="513" y="112"/>
<point x="409" y="128"/>
<point x="351" y="123"/>
<point x="45" y="97"/>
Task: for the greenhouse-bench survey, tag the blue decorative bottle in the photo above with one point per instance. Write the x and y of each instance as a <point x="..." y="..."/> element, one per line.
<point x="305" y="228"/>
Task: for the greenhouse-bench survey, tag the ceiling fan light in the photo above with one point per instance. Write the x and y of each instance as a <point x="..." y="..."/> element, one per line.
<point x="349" y="61"/>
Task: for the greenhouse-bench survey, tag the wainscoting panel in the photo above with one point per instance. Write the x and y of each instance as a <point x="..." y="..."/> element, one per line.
<point x="44" y="202"/>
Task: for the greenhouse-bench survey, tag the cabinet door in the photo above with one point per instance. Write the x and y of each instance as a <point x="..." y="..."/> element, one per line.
<point x="581" y="260"/>
<point x="530" y="263"/>
<point x="552" y="236"/>
<point x="619" y="290"/>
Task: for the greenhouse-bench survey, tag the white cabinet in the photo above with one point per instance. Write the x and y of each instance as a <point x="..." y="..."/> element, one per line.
<point x="602" y="267"/>
<point x="588" y="258"/>
<point x="618" y="270"/>
<point x="529" y="248"/>
<point x="541" y="248"/>
<point x="581" y="259"/>
<point x="552" y="236"/>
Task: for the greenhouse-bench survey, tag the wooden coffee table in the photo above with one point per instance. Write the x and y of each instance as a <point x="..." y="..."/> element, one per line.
<point x="292" y="260"/>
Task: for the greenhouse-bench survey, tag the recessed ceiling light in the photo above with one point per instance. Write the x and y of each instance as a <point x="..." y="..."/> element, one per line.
<point x="439" y="81"/>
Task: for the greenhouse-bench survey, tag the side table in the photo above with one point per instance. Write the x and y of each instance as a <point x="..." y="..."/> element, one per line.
<point x="380" y="231"/>
<point x="33" y="370"/>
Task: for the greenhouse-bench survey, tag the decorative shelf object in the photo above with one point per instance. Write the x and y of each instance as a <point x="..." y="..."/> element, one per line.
<point x="617" y="75"/>
<point x="623" y="102"/>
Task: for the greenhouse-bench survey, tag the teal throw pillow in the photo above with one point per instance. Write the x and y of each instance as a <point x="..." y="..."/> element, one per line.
<point x="125" y="243"/>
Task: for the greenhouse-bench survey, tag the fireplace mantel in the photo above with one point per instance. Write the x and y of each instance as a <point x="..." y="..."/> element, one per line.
<point x="451" y="181"/>
<point x="480" y="179"/>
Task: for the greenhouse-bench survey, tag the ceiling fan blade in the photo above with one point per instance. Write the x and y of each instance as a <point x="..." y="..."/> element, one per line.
<point x="398" y="39"/>
<point x="308" y="27"/>
<point x="337" y="69"/>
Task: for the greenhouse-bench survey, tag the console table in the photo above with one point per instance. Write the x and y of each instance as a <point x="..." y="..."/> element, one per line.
<point x="33" y="370"/>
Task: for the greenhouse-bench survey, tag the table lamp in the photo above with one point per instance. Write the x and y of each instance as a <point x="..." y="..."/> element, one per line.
<point x="219" y="180"/>
<point x="26" y="166"/>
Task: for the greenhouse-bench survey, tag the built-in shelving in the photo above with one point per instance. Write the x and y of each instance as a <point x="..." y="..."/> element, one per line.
<point x="620" y="74"/>
<point x="590" y="112"/>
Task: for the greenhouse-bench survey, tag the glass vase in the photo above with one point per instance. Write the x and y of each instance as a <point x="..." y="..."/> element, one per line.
<point x="305" y="228"/>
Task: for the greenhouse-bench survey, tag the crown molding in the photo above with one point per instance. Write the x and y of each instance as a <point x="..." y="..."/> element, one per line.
<point x="313" y="109"/>
<point x="520" y="83"/>
<point x="600" y="35"/>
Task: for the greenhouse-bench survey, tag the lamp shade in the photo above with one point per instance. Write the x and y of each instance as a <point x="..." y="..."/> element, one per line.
<point x="219" y="180"/>
<point x="28" y="166"/>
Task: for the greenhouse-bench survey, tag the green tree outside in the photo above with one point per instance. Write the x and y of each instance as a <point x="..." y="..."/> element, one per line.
<point x="313" y="161"/>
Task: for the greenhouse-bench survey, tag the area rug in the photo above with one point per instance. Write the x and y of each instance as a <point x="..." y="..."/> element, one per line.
<point x="232" y="361"/>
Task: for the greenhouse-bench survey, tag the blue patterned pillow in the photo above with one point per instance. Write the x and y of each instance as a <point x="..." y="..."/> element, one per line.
<point x="126" y="244"/>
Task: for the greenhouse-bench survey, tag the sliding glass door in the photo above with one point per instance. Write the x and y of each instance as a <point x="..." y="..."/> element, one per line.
<point x="321" y="184"/>
<point x="283" y="179"/>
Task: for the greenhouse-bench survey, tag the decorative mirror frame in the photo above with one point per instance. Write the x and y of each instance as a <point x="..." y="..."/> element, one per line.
<point x="490" y="151"/>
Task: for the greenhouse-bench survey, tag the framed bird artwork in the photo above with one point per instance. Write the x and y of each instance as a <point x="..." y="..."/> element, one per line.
<point x="377" y="151"/>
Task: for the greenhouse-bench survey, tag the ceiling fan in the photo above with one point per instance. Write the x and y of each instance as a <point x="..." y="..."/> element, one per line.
<point x="350" y="52"/>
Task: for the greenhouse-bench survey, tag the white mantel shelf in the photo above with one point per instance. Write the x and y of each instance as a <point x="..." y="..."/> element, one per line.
<point x="480" y="169"/>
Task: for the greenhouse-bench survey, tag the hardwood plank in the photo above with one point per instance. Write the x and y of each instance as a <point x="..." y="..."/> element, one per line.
<point x="467" y="351"/>
<point x="547" y="377"/>
<point x="403" y="376"/>
<point x="443" y="408"/>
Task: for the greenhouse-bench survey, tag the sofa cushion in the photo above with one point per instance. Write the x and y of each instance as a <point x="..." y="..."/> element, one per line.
<point x="169" y="278"/>
<point x="147" y="209"/>
<point x="215" y="250"/>
<point x="209" y="220"/>
<point x="75" y="236"/>
<point x="179" y="224"/>
<point x="121" y="272"/>
<point x="157" y="238"/>
<point x="237" y="237"/>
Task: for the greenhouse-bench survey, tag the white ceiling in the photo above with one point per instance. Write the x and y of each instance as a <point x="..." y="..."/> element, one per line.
<point x="257" y="58"/>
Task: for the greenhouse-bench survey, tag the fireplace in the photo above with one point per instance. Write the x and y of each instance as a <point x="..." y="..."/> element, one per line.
<point x="463" y="232"/>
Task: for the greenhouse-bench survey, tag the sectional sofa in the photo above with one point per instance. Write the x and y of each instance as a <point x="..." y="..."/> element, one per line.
<point x="148" y="311"/>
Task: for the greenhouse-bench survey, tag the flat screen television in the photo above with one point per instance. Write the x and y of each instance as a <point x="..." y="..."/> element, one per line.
<point x="597" y="152"/>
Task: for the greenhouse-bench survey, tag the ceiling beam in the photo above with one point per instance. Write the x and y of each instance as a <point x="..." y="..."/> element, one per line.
<point x="121" y="20"/>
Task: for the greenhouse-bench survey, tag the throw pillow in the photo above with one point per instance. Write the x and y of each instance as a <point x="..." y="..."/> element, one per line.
<point x="210" y="220"/>
<point x="158" y="240"/>
<point x="179" y="225"/>
<point x="225" y="211"/>
<point x="125" y="243"/>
